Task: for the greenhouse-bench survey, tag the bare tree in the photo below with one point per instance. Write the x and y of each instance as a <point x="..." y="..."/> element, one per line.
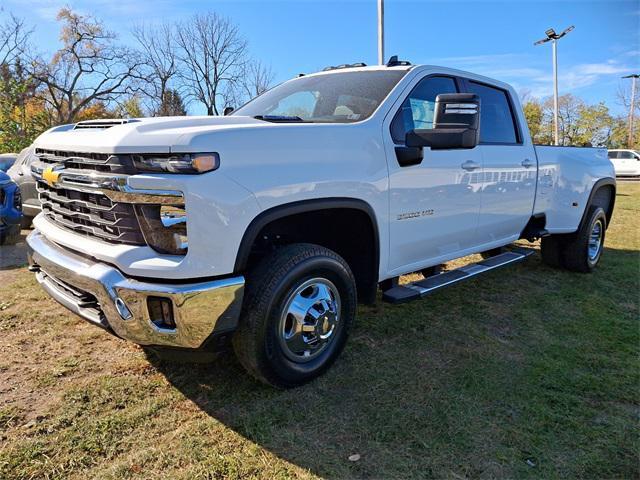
<point x="623" y="95"/>
<point x="257" y="78"/>
<point x="159" y="56"/>
<point x="213" y="55"/>
<point x="88" y="68"/>
<point x="14" y="37"/>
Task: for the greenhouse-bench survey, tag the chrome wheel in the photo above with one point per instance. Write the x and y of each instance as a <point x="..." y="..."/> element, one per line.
<point x="310" y="319"/>
<point x="595" y="240"/>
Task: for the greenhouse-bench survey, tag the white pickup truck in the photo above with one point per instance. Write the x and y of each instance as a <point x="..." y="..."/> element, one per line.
<point x="265" y="227"/>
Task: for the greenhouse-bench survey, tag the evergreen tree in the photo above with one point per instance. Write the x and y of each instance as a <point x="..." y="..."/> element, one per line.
<point x="172" y="105"/>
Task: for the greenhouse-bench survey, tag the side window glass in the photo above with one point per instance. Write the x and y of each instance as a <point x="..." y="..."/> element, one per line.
<point x="625" y="155"/>
<point x="417" y="109"/>
<point x="496" y="119"/>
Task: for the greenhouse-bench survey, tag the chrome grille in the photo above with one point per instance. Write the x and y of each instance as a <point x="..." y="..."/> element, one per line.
<point x="98" y="162"/>
<point x="92" y="214"/>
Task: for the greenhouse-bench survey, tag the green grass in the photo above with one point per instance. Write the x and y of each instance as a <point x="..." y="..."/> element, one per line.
<point x="529" y="372"/>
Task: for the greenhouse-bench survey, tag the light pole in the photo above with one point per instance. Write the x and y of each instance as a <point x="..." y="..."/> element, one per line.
<point x="553" y="37"/>
<point x="381" y="32"/>
<point x="632" y="107"/>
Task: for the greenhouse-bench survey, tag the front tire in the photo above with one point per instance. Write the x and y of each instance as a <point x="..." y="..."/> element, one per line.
<point x="10" y="235"/>
<point x="25" y="222"/>
<point x="299" y="305"/>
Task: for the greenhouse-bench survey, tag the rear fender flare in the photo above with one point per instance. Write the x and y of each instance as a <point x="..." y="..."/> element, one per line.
<point x="609" y="211"/>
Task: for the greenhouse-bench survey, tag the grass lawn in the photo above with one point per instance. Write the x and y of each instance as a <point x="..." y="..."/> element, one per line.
<point x="525" y="372"/>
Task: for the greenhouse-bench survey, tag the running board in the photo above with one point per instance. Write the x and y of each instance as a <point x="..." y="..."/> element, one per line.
<point x="416" y="290"/>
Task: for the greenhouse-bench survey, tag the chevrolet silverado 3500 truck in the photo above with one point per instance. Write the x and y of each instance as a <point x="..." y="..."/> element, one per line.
<point x="266" y="227"/>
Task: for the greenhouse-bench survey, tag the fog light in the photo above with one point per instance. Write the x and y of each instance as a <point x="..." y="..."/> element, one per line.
<point x="161" y="312"/>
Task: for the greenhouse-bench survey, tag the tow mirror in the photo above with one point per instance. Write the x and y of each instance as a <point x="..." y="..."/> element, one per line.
<point x="228" y="111"/>
<point x="456" y="124"/>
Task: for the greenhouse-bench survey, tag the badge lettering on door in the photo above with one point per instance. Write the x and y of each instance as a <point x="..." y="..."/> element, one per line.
<point x="422" y="213"/>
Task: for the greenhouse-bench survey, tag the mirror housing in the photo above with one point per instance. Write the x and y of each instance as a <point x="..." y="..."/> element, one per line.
<point x="456" y="124"/>
<point x="228" y="111"/>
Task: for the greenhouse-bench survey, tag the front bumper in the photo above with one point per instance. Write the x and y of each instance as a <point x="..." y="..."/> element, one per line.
<point x="102" y="295"/>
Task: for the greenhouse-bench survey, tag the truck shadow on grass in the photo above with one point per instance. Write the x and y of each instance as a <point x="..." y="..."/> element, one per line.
<point x="14" y="256"/>
<point x="529" y="373"/>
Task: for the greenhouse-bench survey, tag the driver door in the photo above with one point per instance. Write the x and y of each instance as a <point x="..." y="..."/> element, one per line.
<point x="434" y="205"/>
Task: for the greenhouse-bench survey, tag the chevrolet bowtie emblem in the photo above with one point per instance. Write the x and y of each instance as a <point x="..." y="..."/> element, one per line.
<point x="50" y="176"/>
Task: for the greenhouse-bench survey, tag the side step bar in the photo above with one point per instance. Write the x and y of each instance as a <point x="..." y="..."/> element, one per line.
<point x="416" y="290"/>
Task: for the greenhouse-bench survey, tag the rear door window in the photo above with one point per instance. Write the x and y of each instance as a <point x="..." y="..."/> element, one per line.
<point x="497" y="124"/>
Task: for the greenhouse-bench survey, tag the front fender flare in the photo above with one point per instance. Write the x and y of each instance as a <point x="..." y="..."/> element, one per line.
<point x="293" y="208"/>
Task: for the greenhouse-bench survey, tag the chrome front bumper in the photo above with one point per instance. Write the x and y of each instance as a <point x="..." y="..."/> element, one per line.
<point x="102" y="295"/>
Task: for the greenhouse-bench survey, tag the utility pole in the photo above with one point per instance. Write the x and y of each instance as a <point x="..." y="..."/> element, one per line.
<point x="381" y="32"/>
<point x="553" y="37"/>
<point x="556" y="134"/>
<point x="632" y="108"/>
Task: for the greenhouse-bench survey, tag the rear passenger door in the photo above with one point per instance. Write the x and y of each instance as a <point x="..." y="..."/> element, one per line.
<point x="509" y="167"/>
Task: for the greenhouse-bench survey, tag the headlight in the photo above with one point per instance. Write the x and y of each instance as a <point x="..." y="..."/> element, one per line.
<point x="177" y="163"/>
<point x="164" y="227"/>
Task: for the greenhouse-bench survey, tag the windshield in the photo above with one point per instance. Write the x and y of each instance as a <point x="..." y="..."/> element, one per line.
<point x="334" y="98"/>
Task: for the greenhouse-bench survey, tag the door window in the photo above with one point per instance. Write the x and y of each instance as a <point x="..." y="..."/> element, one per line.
<point x="418" y="108"/>
<point x="613" y="155"/>
<point x="625" y="155"/>
<point x="496" y="118"/>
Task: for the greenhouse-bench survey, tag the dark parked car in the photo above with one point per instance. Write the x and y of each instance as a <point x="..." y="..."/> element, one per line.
<point x="10" y="210"/>
<point x="6" y="160"/>
<point x="21" y="174"/>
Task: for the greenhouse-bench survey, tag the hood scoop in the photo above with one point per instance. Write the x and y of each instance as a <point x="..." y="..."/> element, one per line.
<point x="103" y="123"/>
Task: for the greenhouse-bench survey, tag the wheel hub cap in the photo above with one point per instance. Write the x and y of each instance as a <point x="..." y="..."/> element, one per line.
<point x="310" y="319"/>
<point x="595" y="240"/>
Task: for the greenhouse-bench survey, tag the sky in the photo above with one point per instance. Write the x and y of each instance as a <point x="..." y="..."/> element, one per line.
<point x="491" y="38"/>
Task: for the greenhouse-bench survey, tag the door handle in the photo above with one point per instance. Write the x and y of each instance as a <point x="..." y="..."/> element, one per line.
<point x="526" y="163"/>
<point x="470" y="165"/>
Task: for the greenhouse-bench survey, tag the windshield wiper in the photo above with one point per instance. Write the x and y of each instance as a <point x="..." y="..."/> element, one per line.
<point x="278" y="118"/>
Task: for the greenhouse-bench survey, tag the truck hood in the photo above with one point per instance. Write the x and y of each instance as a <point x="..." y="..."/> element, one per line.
<point x="148" y="135"/>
